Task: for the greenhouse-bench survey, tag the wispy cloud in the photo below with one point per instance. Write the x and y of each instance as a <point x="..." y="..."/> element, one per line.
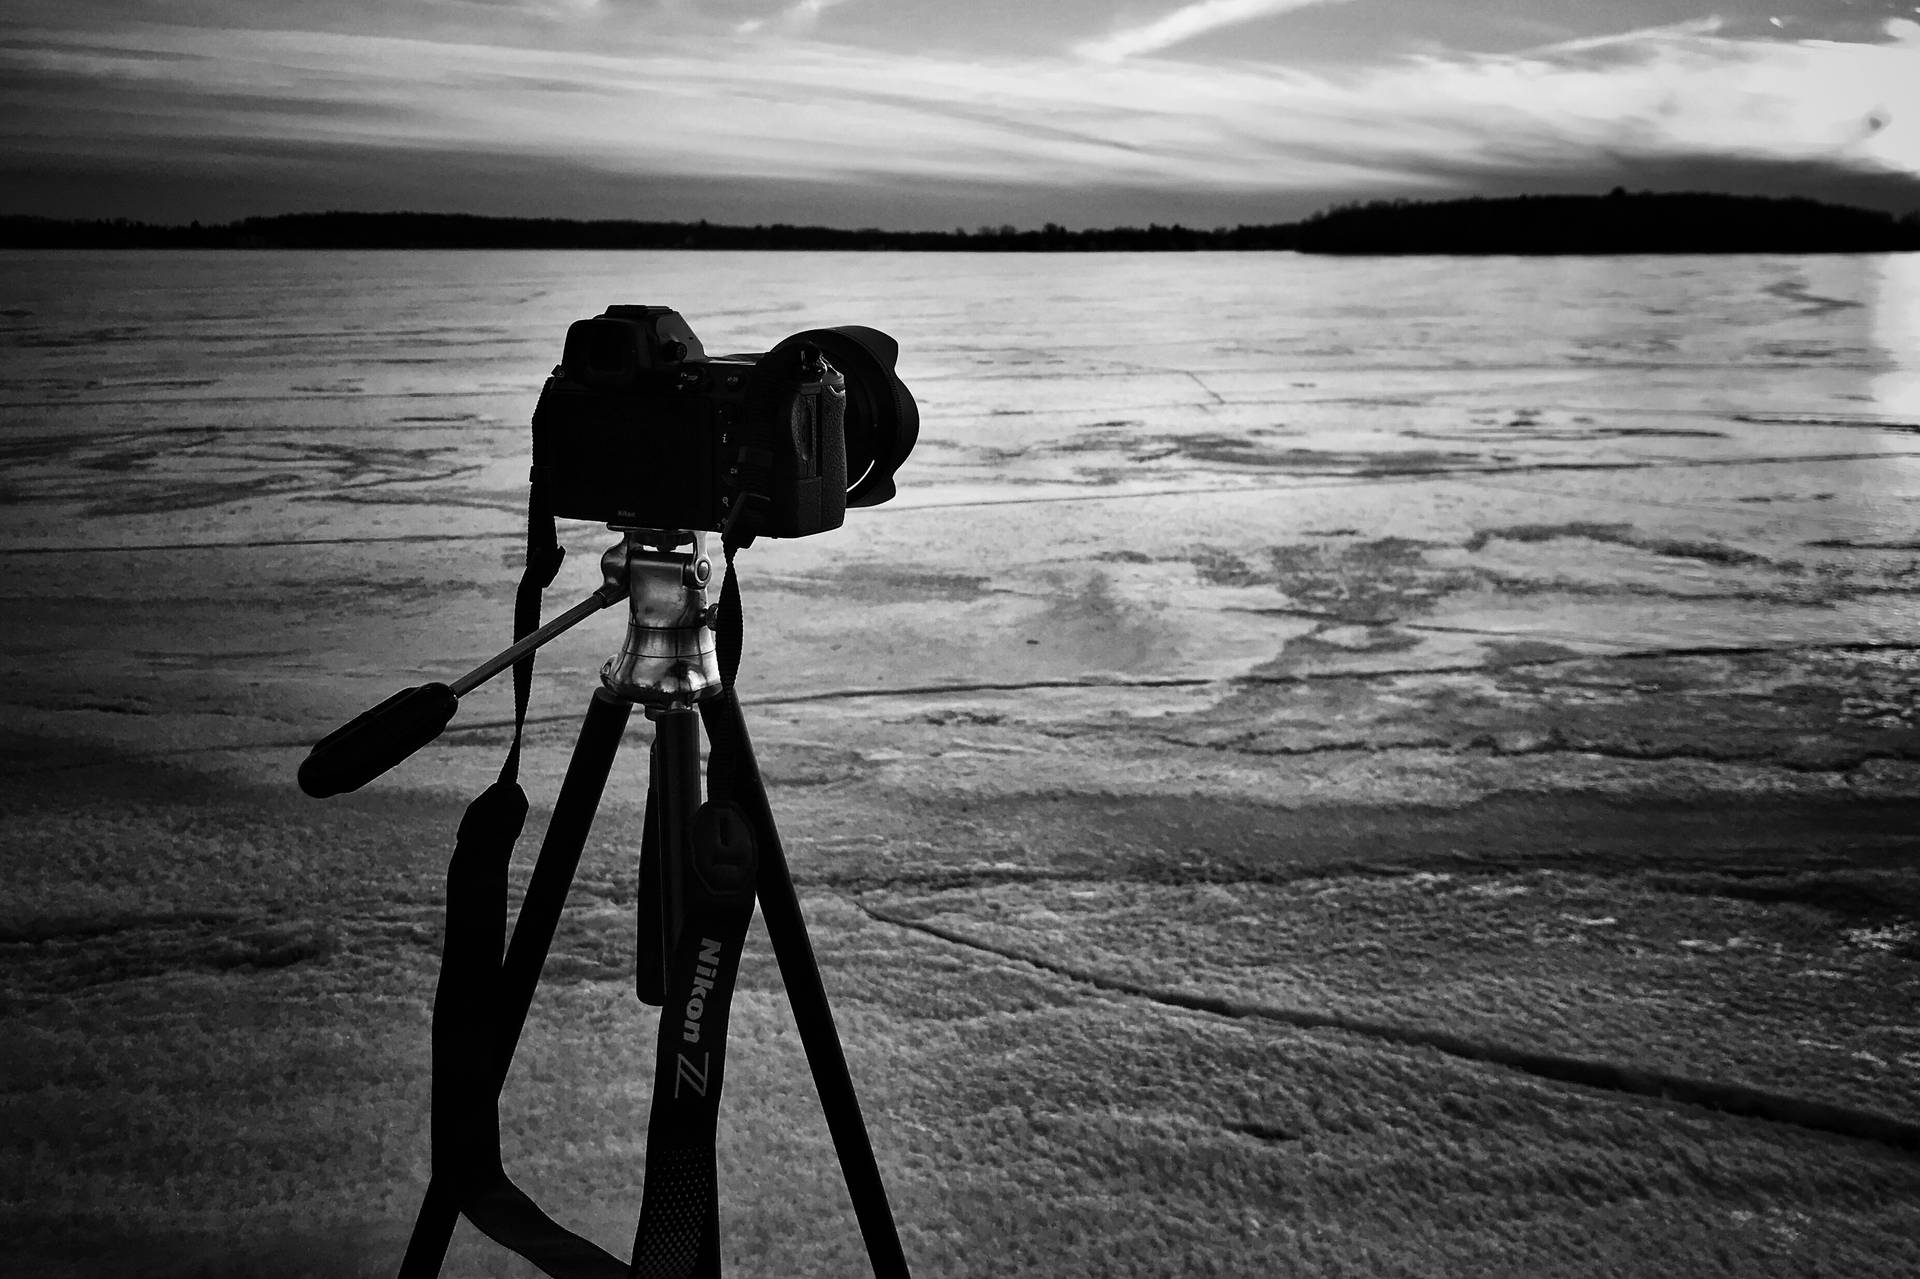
<point x="796" y="19"/>
<point x="801" y="109"/>
<point x="1184" y="24"/>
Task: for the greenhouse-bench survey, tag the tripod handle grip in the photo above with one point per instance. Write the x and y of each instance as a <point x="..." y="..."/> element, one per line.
<point x="375" y="740"/>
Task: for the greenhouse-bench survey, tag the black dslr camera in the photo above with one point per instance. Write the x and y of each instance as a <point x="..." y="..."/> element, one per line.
<point x="639" y="428"/>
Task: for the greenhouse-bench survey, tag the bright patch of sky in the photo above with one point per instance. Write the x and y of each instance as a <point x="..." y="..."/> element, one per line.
<point x="1235" y="97"/>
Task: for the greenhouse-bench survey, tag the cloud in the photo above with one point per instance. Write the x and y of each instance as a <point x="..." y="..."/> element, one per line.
<point x="1184" y="24"/>
<point x="1629" y="46"/>
<point x="796" y="19"/>
<point x="654" y="103"/>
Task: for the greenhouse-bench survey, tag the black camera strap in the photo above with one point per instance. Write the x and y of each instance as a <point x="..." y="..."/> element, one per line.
<point x="478" y="1009"/>
<point x="482" y="998"/>
<point x="728" y="625"/>
<point x="679" y="1231"/>
<point x="544" y="556"/>
<point x="724" y="751"/>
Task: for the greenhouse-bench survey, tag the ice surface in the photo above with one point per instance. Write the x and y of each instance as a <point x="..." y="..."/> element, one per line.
<point x="249" y="493"/>
<point x="1341" y="641"/>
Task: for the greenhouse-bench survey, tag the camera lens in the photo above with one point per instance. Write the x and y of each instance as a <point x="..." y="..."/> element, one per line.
<point x="883" y="422"/>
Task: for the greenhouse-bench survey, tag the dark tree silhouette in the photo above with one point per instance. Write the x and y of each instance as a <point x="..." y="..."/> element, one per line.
<point x="1614" y="223"/>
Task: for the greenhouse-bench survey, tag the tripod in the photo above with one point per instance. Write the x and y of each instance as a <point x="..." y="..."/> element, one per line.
<point x="702" y="866"/>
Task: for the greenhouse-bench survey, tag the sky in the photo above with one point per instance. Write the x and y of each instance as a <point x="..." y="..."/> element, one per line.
<point x="942" y="113"/>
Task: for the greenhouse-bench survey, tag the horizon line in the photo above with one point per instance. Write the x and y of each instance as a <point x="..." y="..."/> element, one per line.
<point x="983" y="230"/>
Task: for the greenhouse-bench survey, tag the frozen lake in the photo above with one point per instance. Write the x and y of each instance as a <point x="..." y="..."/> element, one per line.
<point x="1468" y="676"/>
<point x="248" y="493"/>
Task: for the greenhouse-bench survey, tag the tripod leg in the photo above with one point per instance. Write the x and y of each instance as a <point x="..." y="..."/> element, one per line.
<point x="432" y="1231"/>
<point x="649" y="964"/>
<point x="567" y="832"/>
<point x="526" y="955"/>
<point x="787" y="929"/>
<point x="676" y="745"/>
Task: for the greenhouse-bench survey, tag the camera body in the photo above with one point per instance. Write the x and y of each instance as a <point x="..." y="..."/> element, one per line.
<point x="639" y="428"/>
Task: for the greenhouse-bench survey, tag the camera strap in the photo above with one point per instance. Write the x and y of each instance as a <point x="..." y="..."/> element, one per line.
<point x="544" y="555"/>
<point x="474" y="1030"/>
<point x="679" y="1230"/>
<point x="728" y="625"/>
<point x="475" y="1025"/>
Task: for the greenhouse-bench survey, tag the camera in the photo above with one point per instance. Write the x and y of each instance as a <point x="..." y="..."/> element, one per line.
<point x="639" y="428"/>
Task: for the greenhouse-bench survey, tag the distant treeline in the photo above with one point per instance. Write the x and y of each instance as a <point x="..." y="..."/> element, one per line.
<point x="467" y="231"/>
<point x="1615" y="223"/>
<point x="1647" y="222"/>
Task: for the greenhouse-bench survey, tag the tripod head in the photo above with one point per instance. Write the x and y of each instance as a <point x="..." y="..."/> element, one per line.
<point x="669" y="659"/>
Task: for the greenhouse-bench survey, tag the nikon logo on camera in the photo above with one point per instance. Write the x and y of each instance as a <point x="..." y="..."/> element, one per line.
<point x="638" y="427"/>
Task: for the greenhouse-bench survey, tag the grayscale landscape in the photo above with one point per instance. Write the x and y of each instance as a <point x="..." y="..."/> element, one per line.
<point x="1340" y="767"/>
